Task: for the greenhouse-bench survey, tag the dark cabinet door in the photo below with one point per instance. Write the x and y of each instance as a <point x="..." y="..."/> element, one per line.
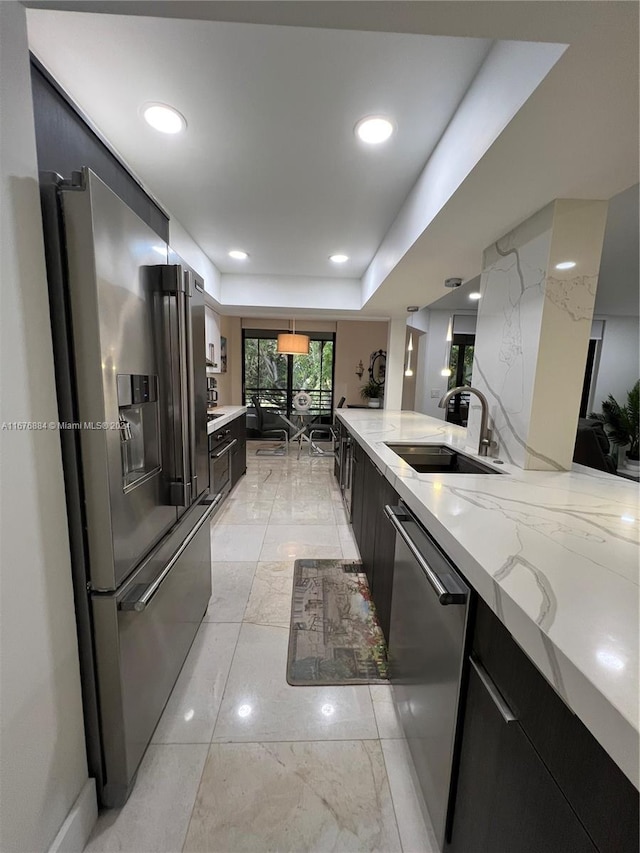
<point x="602" y="797"/>
<point x="506" y="801"/>
<point x="357" y="491"/>
<point x="339" y="430"/>
<point x="238" y="429"/>
<point x="371" y="494"/>
<point x="383" y="554"/>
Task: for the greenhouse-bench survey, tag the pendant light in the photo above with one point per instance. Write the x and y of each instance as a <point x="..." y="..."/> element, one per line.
<point x="446" y="370"/>
<point x="409" y="371"/>
<point x="291" y="344"/>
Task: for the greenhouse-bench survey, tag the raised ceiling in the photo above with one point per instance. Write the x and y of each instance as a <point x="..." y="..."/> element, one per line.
<point x="575" y="136"/>
<point x="269" y="162"/>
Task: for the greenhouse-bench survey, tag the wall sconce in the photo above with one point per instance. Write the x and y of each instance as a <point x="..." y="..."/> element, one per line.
<point x="359" y="369"/>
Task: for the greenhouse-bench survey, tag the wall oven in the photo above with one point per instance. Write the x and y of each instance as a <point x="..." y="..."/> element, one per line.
<point x="220" y="446"/>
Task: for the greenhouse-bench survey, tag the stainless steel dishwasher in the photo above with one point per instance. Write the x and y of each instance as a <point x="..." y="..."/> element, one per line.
<point x="429" y="608"/>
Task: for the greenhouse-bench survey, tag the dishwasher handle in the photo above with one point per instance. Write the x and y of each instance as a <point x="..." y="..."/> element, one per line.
<point x="448" y="592"/>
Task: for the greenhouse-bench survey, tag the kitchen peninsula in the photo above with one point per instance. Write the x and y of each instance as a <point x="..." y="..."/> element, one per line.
<point x="554" y="555"/>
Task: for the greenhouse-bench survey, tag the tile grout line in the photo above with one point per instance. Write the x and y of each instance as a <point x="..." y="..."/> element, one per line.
<point x="393" y="802"/>
<point x="195" y="799"/>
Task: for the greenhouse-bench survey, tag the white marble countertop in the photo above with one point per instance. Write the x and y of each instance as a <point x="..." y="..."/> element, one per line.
<point x="554" y="554"/>
<point x="227" y="414"/>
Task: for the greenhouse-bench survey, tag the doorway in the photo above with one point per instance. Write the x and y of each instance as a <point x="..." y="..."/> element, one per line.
<point x="275" y="378"/>
<point x="461" y="367"/>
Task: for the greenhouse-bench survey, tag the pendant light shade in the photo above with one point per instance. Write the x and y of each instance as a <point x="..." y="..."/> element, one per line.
<point x="291" y="344"/>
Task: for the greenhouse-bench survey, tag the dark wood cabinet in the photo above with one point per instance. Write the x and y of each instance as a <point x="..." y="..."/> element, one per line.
<point x="358" y="457"/>
<point x="528" y="776"/>
<point x="371" y="488"/>
<point x="384" y="550"/>
<point x="506" y="799"/>
<point x="238" y="428"/>
<point x="373" y="532"/>
<point x="539" y="782"/>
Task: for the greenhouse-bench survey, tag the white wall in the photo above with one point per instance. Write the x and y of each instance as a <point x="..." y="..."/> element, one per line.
<point x="42" y="760"/>
<point x="432" y="355"/>
<point x="290" y="292"/>
<point x="618" y="368"/>
<point x="508" y="76"/>
<point x="183" y="243"/>
<point x="395" y="364"/>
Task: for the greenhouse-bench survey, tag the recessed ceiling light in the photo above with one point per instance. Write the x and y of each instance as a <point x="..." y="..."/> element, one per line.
<point x="238" y="255"/>
<point x="475" y="296"/>
<point x="164" y="118"/>
<point x="374" y="129"/>
<point x="338" y="259"/>
<point x="566" y="265"/>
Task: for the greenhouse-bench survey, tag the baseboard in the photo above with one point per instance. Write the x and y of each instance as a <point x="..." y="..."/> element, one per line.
<point x="76" y="829"/>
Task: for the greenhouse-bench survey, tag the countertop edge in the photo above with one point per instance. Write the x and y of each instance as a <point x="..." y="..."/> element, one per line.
<point x="229" y="413"/>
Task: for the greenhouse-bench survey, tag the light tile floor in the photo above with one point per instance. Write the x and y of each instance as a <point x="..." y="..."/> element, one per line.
<point x="241" y="761"/>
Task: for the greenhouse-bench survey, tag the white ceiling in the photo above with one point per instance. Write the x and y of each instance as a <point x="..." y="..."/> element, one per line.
<point x="575" y="136"/>
<point x="269" y="162"/>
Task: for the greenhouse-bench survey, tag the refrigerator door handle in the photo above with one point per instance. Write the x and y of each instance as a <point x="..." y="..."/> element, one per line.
<point x="139" y="602"/>
<point x="175" y="347"/>
<point x="191" y="403"/>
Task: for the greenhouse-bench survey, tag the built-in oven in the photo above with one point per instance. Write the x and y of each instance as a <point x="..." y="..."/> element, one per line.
<point x="220" y="446"/>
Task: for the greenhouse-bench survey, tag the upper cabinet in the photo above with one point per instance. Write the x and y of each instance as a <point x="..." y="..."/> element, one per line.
<point x="212" y="337"/>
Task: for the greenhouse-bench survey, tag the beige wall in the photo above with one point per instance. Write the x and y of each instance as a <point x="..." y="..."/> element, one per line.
<point x="43" y="763"/>
<point x="230" y="383"/>
<point x="356" y="340"/>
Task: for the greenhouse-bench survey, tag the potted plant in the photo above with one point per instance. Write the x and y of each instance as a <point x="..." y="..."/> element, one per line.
<point x="623" y="424"/>
<point x="372" y="392"/>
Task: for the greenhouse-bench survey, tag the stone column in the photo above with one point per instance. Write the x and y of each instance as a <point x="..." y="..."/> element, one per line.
<point x="395" y="364"/>
<point x="533" y="332"/>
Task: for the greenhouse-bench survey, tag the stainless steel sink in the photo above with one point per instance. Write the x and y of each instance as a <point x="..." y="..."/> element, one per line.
<point x="439" y="459"/>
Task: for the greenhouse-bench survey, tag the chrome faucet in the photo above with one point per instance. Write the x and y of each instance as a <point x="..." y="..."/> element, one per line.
<point x="485" y="432"/>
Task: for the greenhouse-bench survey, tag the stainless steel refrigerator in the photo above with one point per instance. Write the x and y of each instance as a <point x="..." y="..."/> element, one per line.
<point x="129" y="347"/>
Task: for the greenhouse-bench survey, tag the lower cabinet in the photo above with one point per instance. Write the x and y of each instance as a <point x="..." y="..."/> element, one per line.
<point x="373" y="532"/>
<point x="530" y="777"/>
<point x="358" y="457"/>
<point x="506" y="799"/>
<point x="239" y="451"/>
<point x="383" y="554"/>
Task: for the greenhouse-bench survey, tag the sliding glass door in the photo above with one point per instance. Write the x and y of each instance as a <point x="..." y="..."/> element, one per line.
<point x="461" y="366"/>
<point x="275" y="379"/>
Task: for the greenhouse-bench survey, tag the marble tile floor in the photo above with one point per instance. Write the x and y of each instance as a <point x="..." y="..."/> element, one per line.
<point x="241" y="761"/>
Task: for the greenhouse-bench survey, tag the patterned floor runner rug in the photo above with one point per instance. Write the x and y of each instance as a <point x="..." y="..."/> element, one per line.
<point x="335" y="637"/>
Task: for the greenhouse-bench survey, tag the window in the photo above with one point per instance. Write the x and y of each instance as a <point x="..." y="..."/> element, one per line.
<point x="461" y="366"/>
<point x="275" y="378"/>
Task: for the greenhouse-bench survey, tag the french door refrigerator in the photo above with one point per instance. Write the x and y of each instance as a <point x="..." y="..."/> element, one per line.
<point x="129" y="347"/>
